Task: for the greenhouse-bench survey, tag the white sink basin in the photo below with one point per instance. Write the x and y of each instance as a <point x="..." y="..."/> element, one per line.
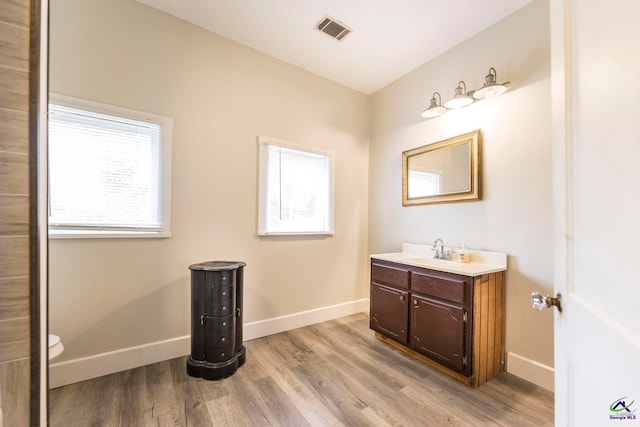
<point x="433" y="262"/>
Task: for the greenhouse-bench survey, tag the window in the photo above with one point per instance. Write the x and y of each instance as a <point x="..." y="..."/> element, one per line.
<point x="424" y="183"/>
<point x="295" y="189"/>
<point x="109" y="171"/>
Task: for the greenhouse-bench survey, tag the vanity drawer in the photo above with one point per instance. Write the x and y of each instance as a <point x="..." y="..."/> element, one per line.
<point x="447" y="288"/>
<point x="218" y="353"/>
<point x="390" y="275"/>
<point x="219" y="324"/>
<point x="220" y="300"/>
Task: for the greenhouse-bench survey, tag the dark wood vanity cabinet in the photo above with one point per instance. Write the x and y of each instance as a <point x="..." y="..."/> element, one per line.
<point x="452" y="322"/>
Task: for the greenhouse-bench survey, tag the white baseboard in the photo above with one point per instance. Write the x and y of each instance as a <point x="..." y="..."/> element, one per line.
<point x="262" y="328"/>
<point x="85" y="368"/>
<point x="81" y="369"/>
<point x="530" y="370"/>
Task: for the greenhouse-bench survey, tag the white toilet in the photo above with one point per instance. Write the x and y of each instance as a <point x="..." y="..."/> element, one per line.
<point x="55" y="346"/>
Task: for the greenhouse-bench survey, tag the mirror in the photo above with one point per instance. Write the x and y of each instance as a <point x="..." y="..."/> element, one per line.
<point x="445" y="171"/>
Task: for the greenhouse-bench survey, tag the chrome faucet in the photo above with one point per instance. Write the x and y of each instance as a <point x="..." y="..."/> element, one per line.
<point x="441" y="254"/>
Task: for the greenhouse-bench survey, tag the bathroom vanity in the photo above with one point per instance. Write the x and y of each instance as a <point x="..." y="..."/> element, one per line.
<point x="445" y="313"/>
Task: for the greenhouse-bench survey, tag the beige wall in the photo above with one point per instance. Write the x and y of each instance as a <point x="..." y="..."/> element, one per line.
<point x="14" y="213"/>
<point x="515" y="214"/>
<point x="111" y="294"/>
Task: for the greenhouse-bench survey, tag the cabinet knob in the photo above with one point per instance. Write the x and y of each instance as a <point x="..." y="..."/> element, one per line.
<point x="402" y="299"/>
<point x="415" y="302"/>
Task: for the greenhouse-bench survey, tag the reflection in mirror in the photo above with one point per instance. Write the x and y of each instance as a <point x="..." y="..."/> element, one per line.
<point x="445" y="171"/>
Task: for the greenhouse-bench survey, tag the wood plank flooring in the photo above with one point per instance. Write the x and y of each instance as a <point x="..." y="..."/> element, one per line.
<point x="334" y="373"/>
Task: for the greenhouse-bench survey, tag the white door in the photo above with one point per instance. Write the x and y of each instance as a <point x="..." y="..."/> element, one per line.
<point x="595" y="82"/>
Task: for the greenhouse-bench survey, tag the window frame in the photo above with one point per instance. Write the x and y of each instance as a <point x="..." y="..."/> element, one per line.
<point x="263" y="142"/>
<point x="166" y="125"/>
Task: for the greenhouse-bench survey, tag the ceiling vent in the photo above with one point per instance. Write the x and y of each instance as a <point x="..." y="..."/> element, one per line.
<point x="333" y="28"/>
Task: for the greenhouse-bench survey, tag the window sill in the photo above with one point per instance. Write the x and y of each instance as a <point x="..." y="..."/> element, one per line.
<point x="95" y="234"/>
<point x="295" y="233"/>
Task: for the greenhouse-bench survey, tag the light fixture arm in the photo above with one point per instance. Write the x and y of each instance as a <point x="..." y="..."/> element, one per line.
<point x="435" y="108"/>
<point x="435" y="102"/>
<point x="492" y="77"/>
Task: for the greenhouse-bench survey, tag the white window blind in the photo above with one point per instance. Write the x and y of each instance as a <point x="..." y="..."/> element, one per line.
<point x="105" y="172"/>
<point x="296" y="190"/>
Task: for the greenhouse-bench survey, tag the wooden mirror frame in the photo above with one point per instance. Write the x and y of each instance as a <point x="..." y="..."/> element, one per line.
<point x="473" y="192"/>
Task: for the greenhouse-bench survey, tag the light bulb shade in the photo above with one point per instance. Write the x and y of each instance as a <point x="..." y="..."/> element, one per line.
<point x="458" y="102"/>
<point x="461" y="97"/>
<point x="434" y="109"/>
<point x="489" y="91"/>
<point x="430" y="112"/>
<point x="490" y="87"/>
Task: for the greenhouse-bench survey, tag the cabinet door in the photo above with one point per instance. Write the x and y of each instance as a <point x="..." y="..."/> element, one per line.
<point x="389" y="312"/>
<point x="437" y="330"/>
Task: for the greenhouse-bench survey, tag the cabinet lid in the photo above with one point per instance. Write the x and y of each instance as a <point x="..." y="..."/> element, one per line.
<point x="217" y="265"/>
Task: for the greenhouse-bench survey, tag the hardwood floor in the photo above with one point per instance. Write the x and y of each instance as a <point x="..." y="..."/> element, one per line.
<point x="330" y="374"/>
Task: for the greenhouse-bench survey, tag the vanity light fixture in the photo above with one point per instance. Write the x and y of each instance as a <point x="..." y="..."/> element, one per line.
<point x="435" y="108"/>
<point x="490" y="87"/>
<point x="461" y="98"/>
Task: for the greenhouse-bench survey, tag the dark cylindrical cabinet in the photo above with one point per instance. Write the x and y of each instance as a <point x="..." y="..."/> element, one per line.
<point x="216" y="319"/>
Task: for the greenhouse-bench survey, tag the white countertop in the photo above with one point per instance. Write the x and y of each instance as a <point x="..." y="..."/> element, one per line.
<point x="418" y="255"/>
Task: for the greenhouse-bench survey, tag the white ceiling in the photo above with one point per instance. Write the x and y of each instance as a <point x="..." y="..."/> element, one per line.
<point x="390" y="37"/>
